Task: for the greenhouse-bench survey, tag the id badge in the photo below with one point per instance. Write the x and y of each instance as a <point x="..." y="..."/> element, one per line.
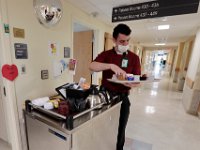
<point x="124" y="63"/>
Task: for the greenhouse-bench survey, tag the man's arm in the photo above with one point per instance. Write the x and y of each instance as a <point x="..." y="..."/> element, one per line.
<point x="97" y="66"/>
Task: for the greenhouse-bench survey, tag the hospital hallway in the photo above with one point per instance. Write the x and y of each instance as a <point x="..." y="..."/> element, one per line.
<point x="158" y="120"/>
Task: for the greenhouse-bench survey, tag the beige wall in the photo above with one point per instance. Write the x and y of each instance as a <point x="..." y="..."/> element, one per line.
<point x="37" y="37"/>
<point x="195" y="56"/>
<point x="191" y="91"/>
<point x="20" y="14"/>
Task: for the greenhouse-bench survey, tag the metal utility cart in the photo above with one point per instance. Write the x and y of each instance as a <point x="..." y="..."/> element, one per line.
<point x="89" y="129"/>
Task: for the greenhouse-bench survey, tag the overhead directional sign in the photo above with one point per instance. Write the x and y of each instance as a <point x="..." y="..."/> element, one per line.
<point x="159" y="8"/>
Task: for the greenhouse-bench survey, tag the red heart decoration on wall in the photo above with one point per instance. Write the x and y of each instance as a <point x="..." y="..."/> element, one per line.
<point x="9" y="72"/>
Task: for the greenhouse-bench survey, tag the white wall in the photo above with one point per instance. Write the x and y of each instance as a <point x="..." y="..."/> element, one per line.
<point x="191" y="95"/>
<point x="20" y="14"/>
<point x="195" y="57"/>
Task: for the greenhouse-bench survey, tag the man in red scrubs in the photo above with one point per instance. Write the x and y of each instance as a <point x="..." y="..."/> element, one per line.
<point x="118" y="61"/>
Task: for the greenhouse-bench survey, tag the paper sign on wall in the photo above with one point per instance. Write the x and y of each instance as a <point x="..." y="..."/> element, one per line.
<point x="57" y="68"/>
<point x="64" y="64"/>
<point x="72" y="65"/>
<point x="53" y="48"/>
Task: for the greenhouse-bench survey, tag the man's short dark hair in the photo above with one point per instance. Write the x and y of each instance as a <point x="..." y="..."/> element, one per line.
<point x="121" y="28"/>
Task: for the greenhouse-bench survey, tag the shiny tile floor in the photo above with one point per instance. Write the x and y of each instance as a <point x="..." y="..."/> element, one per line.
<point x="158" y="117"/>
<point x="4" y="145"/>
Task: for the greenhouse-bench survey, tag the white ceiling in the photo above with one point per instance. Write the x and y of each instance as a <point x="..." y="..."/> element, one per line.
<point x="144" y="31"/>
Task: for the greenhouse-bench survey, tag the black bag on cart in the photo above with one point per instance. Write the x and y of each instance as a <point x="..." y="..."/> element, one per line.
<point x="75" y="97"/>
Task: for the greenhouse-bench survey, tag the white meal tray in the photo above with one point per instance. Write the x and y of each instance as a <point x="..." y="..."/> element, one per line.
<point x="140" y="81"/>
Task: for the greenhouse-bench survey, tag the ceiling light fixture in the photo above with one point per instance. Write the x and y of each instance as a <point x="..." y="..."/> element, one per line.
<point x="163" y="27"/>
<point x="160" y="44"/>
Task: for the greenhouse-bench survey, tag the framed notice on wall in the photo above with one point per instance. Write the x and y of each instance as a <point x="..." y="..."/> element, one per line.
<point x="21" y="51"/>
<point x="66" y="52"/>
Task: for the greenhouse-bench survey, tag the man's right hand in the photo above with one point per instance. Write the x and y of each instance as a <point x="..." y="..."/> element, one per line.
<point x="117" y="70"/>
<point x="97" y="66"/>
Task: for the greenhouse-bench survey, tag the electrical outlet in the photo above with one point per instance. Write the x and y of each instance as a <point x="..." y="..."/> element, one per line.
<point x="44" y="74"/>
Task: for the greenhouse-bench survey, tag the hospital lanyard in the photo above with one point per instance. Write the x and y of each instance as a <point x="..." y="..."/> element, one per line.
<point x="124" y="63"/>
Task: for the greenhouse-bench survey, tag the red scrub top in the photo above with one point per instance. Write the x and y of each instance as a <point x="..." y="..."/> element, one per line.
<point x="111" y="57"/>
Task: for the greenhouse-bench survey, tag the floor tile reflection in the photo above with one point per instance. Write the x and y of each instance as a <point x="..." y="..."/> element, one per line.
<point x="4" y="145"/>
<point x="158" y="117"/>
<point x="132" y="144"/>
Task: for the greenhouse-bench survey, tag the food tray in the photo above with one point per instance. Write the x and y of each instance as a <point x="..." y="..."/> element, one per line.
<point x="126" y="81"/>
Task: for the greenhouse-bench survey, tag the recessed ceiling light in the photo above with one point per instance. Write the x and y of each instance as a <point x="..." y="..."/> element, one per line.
<point x="160" y="44"/>
<point x="163" y="27"/>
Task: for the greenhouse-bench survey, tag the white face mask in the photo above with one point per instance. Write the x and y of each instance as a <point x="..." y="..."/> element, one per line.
<point x="122" y="49"/>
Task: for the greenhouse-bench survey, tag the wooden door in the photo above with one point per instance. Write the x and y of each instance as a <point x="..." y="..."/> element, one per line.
<point x="108" y="41"/>
<point x="83" y="44"/>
